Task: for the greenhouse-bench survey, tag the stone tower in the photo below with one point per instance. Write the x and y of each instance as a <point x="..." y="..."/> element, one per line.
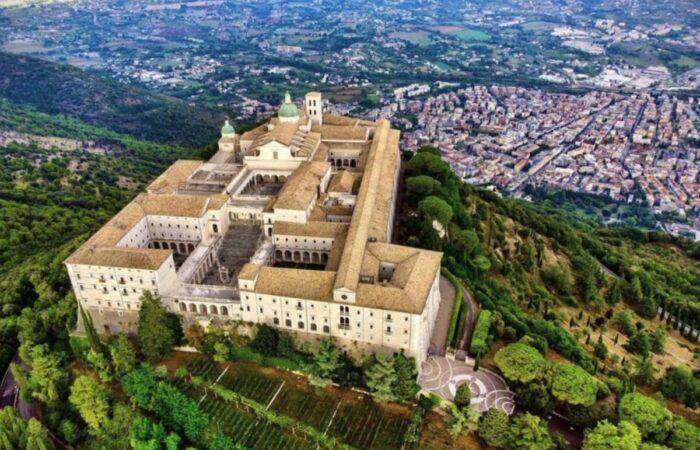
<point x="314" y="107"/>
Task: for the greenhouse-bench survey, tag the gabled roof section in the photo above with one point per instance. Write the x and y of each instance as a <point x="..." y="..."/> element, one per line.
<point x="301" y="188"/>
<point x="175" y="176"/>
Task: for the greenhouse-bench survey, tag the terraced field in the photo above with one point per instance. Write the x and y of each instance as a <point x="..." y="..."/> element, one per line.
<point x="353" y="418"/>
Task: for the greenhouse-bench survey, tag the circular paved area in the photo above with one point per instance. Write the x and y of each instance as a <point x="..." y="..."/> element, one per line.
<point x="442" y="376"/>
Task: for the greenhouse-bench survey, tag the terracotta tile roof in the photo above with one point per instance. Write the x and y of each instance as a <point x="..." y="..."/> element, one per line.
<point x="410" y="283"/>
<point x="342" y="181"/>
<point x="134" y="258"/>
<point x="173" y="205"/>
<point x="351" y="260"/>
<point x="300" y="189"/>
<point x="249" y="272"/>
<point x="344" y="133"/>
<point x="295" y="283"/>
<point x="330" y="119"/>
<point x="311" y="229"/>
<point x="175" y="176"/>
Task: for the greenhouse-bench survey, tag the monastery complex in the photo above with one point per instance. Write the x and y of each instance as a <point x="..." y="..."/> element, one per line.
<point x="288" y="224"/>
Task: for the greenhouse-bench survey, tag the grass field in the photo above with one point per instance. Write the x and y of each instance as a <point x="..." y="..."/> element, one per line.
<point x="351" y="417"/>
<point x="417" y="37"/>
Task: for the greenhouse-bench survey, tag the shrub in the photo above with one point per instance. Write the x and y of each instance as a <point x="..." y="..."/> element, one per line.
<point x="451" y="337"/>
<point x="481" y="341"/>
<point x="463" y="396"/>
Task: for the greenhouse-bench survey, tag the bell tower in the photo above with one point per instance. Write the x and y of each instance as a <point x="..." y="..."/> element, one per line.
<point x="314" y="107"/>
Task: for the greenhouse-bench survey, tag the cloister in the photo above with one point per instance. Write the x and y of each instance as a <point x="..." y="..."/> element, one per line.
<point x="302" y="256"/>
<point x="202" y="309"/>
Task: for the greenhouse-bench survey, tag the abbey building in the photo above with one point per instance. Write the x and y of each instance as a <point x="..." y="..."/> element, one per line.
<point x="289" y="224"/>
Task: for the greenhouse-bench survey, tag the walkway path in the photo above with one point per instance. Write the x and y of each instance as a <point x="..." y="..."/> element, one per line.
<point x="441" y="376"/>
<point x="466" y="338"/>
<point x="438" y="340"/>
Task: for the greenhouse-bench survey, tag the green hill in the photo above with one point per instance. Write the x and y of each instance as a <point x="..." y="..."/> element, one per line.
<point x="575" y="290"/>
<point x="60" y="180"/>
<point x="61" y="89"/>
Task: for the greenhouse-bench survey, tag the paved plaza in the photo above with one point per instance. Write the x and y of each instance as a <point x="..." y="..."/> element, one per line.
<point x="441" y="376"/>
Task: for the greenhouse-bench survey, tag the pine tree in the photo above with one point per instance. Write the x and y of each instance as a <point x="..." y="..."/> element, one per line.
<point x="90" y="332"/>
<point x="405" y="387"/>
<point x="326" y="362"/>
<point x="155" y="335"/>
<point x="381" y="376"/>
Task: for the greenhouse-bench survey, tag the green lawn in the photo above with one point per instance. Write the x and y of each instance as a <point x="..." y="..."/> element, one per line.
<point x="471" y="35"/>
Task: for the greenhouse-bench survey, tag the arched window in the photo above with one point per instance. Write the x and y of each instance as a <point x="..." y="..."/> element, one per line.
<point x="215" y="228"/>
<point x="183" y="307"/>
<point x="313" y="327"/>
<point x="224" y="311"/>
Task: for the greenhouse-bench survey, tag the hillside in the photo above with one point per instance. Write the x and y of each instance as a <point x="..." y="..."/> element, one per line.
<point x="604" y="299"/>
<point x="61" y="89"/>
<point x="60" y="180"/>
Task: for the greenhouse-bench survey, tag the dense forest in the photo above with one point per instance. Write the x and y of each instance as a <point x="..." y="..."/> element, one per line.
<point x="51" y="199"/>
<point x="61" y="89"/>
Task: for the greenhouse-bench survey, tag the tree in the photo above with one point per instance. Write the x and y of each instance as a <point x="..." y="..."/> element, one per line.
<point x="493" y="428"/>
<point x="122" y="354"/>
<point x="652" y="419"/>
<point x="535" y="396"/>
<point x="100" y="363"/>
<point x="573" y="385"/>
<point x="679" y="384"/>
<point x="421" y="186"/>
<point x="405" y="387"/>
<point x="266" y="340"/>
<point x="607" y="436"/>
<point x="222" y="352"/>
<point x="639" y="344"/>
<point x="657" y="340"/>
<point x="37" y="436"/>
<point x="15" y="433"/>
<point x="49" y="377"/>
<point x="528" y="432"/>
<point x="178" y="412"/>
<point x="147" y="435"/>
<point x="156" y="333"/>
<point x="646" y="372"/>
<point x="684" y="435"/>
<point x="520" y="362"/>
<point x="429" y="164"/>
<point x="463" y="396"/>
<point x="600" y="350"/>
<point x="436" y="209"/>
<point x="140" y="384"/>
<point x="463" y="421"/>
<point x="91" y="400"/>
<point x="325" y="363"/>
<point x="380" y="376"/>
<point x="614" y="293"/>
<point x="466" y="241"/>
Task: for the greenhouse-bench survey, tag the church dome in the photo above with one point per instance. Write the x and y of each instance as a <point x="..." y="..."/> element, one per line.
<point x="288" y="109"/>
<point x="227" y="129"/>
